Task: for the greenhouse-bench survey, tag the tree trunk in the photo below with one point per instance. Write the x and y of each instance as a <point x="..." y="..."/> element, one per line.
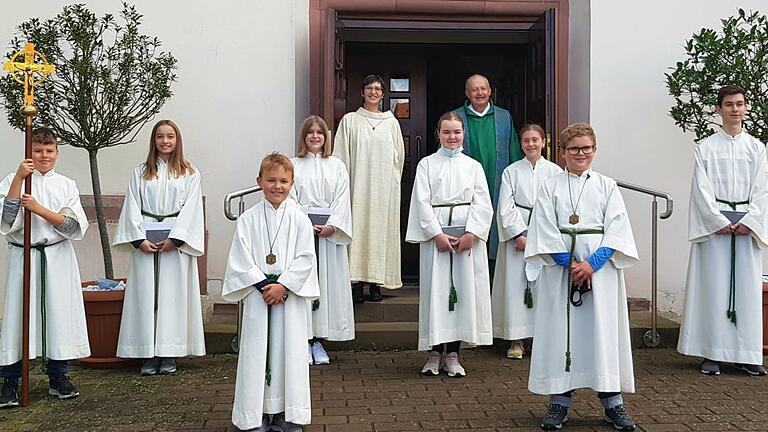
<point x="102" y="222"/>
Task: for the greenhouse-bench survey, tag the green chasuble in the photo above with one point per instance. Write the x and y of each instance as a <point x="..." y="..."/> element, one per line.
<point x="484" y="131"/>
<point x="492" y="141"/>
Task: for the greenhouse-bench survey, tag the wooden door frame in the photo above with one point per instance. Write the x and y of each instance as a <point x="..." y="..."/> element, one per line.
<point x="321" y="45"/>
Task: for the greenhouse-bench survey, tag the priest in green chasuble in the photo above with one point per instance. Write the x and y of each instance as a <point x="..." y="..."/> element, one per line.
<point x="489" y="138"/>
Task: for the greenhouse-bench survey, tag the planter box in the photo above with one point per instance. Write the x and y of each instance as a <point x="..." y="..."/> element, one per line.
<point x="103" y="312"/>
<point x="765" y="317"/>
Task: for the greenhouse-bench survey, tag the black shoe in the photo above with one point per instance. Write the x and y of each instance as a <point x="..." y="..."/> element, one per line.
<point x="61" y="387"/>
<point x="754" y="370"/>
<point x="9" y="395"/>
<point x="357" y="293"/>
<point x="375" y="291"/>
<point x="619" y="418"/>
<point x="710" y="367"/>
<point x="556" y="417"/>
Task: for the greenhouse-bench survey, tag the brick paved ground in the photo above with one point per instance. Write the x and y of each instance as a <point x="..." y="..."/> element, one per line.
<point x="384" y="392"/>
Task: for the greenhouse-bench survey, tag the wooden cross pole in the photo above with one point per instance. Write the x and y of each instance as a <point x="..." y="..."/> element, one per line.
<point x="30" y="73"/>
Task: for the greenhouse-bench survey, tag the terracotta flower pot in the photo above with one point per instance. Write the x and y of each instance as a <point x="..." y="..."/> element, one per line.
<point x="103" y="311"/>
<point x="765" y="317"/>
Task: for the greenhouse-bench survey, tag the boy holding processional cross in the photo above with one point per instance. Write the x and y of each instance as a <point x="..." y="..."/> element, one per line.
<point x="57" y="326"/>
<point x="727" y="228"/>
<point x="580" y="234"/>
<point x="272" y="269"/>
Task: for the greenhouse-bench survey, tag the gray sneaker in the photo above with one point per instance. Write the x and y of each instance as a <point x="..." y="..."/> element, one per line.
<point x="556" y="417"/>
<point x="167" y="366"/>
<point x="264" y="425"/>
<point x="279" y="424"/>
<point x="150" y="367"/>
<point x="754" y="370"/>
<point x="710" y="367"/>
<point x="9" y="394"/>
<point x="619" y="418"/>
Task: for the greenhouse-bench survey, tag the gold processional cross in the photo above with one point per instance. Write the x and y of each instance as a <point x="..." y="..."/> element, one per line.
<point x="30" y="73"/>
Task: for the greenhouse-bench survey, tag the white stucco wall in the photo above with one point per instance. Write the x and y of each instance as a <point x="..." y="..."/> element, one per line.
<point x="633" y="45"/>
<point x="237" y="98"/>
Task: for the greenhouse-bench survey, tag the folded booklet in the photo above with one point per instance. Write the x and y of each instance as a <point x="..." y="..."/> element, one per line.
<point x="156" y="232"/>
<point x="733" y="216"/>
<point x="455" y="230"/>
<point x="319" y="215"/>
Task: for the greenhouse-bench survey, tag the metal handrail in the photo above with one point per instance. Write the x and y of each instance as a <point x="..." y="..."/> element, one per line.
<point x="651" y="338"/>
<point x="234" y="344"/>
<point x="241" y="205"/>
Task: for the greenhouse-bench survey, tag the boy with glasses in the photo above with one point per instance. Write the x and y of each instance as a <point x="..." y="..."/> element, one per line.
<point x="722" y="320"/>
<point x="580" y="234"/>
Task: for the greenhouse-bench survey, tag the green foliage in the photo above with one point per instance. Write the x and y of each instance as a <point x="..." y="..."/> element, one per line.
<point x="737" y="55"/>
<point x="110" y="79"/>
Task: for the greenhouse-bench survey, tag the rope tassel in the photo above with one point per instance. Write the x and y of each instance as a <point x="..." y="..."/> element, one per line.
<point x="453" y="298"/>
<point x="528" y="297"/>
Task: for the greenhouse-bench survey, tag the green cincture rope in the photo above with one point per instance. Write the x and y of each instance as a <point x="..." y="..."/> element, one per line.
<point x="268" y="372"/>
<point x="573" y="234"/>
<point x="731" y="312"/>
<point x="316" y="302"/>
<point x="157" y="254"/>
<point x="528" y="296"/>
<point x="453" y="296"/>
<point x="40" y="248"/>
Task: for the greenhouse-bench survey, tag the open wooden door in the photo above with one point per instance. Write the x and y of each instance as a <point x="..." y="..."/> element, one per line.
<point x="541" y="73"/>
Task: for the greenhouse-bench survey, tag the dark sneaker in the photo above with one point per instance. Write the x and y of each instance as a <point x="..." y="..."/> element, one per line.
<point x="150" y="367"/>
<point x="61" y="387"/>
<point x="375" y="291"/>
<point x="754" y="370"/>
<point x="9" y="395"/>
<point x="710" y="367"/>
<point x="279" y="424"/>
<point x="167" y="366"/>
<point x="557" y="416"/>
<point x="357" y="293"/>
<point x="265" y="427"/>
<point x="619" y="418"/>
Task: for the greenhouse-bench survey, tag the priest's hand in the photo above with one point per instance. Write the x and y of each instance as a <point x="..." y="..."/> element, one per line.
<point x="581" y="272"/>
<point x="148" y="247"/>
<point x="324" y="230"/>
<point x="165" y="246"/>
<point x="520" y="243"/>
<point x="444" y="243"/>
<point x="274" y="294"/>
<point x="726" y="230"/>
<point x="465" y="242"/>
<point x="26" y="167"/>
<point x="740" y="229"/>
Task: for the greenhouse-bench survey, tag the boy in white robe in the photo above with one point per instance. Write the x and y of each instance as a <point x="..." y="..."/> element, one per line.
<point x="271" y="268"/>
<point x="322" y="185"/>
<point x="450" y="190"/>
<point x="722" y="318"/>
<point x="513" y="280"/>
<point x="580" y="234"/>
<point x="57" y="326"/>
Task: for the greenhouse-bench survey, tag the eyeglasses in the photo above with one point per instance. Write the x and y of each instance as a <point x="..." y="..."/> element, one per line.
<point x="374" y="88"/>
<point x="573" y="151"/>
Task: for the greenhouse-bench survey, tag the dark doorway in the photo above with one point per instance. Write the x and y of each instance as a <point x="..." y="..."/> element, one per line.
<point x="431" y="68"/>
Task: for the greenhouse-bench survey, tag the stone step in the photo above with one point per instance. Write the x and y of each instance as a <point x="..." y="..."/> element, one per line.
<point x="388" y="335"/>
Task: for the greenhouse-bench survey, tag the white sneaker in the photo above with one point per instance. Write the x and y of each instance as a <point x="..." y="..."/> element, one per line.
<point x="515" y="350"/>
<point x="452" y="366"/>
<point x="433" y="364"/>
<point x="311" y="360"/>
<point x="319" y="354"/>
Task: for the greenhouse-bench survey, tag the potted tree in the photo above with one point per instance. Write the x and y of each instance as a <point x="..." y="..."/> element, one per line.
<point x="110" y="81"/>
<point x="737" y="54"/>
